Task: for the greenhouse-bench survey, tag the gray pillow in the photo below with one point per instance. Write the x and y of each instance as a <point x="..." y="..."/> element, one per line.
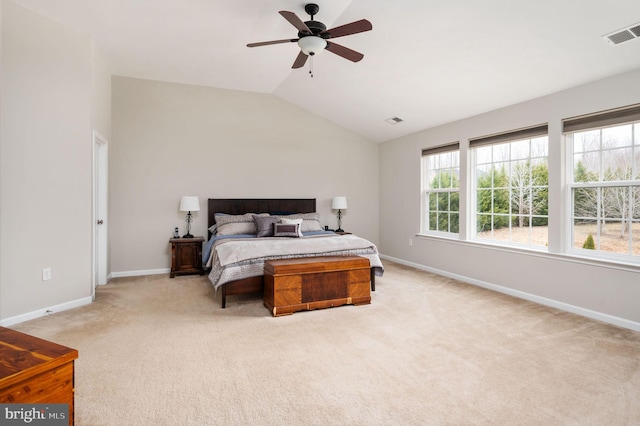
<point x="265" y="225"/>
<point x="236" y="224"/>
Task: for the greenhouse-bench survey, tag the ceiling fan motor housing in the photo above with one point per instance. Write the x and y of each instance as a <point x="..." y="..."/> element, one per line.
<point x="316" y="28"/>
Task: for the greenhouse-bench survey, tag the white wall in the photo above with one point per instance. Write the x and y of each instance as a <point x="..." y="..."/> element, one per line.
<point x="598" y="290"/>
<point x="45" y="163"/>
<point x="171" y="140"/>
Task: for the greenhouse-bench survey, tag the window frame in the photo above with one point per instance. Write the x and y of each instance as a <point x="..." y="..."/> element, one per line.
<point x="560" y="210"/>
<point x="509" y="137"/>
<point x="600" y="122"/>
<point x="426" y="189"/>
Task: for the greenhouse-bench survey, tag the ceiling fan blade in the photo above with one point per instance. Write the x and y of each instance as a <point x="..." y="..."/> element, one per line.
<point x="295" y="21"/>
<point x="266" y="43"/>
<point x="348" y="29"/>
<point x="345" y="52"/>
<point x="301" y="59"/>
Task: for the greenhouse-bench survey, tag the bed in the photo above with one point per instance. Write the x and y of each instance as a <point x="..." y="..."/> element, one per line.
<point x="235" y="260"/>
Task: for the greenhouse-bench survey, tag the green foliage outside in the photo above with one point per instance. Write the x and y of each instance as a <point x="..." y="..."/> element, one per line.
<point x="493" y="200"/>
<point x="500" y="198"/>
<point x="516" y="197"/>
<point x="589" y="243"/>
<point x="444" y="206"/>
<point x="540" y="174"/>
<point x="516" y="194"/>
<point x="523" y="196"/>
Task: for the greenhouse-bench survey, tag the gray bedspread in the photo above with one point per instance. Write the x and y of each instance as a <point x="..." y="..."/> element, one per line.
<point x="235" y="259"/>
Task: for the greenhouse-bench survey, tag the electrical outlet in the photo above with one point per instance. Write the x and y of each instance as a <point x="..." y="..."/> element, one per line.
<point x="46" y="274"/>
<point x="410" y="242"/>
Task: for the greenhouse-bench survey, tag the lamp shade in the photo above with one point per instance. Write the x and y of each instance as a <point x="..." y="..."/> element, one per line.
<point x="189" y="204"/>
<point x="311" y="45"/>
<point x="339" y="203"/>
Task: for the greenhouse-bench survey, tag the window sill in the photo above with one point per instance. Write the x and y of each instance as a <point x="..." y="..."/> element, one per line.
<point x="532" y="251"/>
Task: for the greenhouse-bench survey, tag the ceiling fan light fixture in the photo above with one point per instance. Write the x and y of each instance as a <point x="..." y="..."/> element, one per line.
<point x="312" y="45"/>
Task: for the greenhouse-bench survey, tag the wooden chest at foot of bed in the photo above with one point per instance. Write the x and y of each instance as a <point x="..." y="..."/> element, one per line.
<point x="35" y="371"/>
<point x="292" y="285"/>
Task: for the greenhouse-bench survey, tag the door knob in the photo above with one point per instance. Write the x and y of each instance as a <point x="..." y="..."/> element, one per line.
<point x="100" y="222"/>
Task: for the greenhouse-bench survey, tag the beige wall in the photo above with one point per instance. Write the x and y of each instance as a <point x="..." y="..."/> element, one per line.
<point x="171" y="140"/>
<point x="561" y="281"/>
<point x="45" y="163"/>
<point x="100" y="93"/>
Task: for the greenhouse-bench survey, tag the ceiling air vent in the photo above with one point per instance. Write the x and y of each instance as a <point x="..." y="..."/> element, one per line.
<point x="394" y="120"/>
<point x="623" y="35"/>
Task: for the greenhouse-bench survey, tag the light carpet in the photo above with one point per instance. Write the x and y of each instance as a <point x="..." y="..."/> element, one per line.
<point x="428" y="350"/>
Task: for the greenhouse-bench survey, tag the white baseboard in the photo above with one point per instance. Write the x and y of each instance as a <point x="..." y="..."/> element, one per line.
<point x="621" y="322"/>
<point x="76" y="303"/>
<point x="45" y="311"/>
<point x="139" y="273"/>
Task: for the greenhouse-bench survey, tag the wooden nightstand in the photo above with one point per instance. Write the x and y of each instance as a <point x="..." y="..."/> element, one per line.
<point x="186" y="256"/>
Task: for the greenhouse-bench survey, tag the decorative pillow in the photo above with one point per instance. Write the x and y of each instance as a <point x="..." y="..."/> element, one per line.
<point x="264" y="224"/>
<point x="236" y="224"/>
<point x="310" y="221"/>
<point x="286" y="230"/>
<point x="298" y="222"/>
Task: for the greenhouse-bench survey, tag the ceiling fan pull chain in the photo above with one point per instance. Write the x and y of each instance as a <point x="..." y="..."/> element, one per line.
<point x="311" y="66"/>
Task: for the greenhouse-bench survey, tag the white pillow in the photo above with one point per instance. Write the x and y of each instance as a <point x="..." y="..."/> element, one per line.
<point x="310" y="221"/>
<point x="293" y="222"/>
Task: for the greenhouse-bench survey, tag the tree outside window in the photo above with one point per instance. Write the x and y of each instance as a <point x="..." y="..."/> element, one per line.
<point x="441" y="205"/>
<point x="605" y="189"/>
<point x="512" y="191"/>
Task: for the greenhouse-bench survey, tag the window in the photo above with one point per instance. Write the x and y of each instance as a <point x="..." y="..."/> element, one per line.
<point x="441" y="184"/>
<point x="511" y="187"/>
<point x="604" y="182"/>
<point x="505" y="193"/>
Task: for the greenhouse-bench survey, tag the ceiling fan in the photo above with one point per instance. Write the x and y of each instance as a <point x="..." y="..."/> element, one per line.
<point x="313" y="36"/>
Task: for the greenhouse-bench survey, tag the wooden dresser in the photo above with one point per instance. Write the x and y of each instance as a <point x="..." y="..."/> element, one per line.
<point x="36" y="371"/>
<point x="292" y="285"/>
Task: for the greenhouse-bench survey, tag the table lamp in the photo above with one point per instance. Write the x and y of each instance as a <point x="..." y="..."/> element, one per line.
<point x="189" y="204"/>
<point x="339" y="203"/>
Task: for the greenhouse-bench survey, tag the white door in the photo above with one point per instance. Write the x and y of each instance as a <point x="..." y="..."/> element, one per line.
<point x="100" y="163"/>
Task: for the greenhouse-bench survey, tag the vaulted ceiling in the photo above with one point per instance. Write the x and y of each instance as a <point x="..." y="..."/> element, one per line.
<point x="427" y="62"/>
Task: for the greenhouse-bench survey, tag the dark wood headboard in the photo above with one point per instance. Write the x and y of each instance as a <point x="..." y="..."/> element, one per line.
<point x="259" y="205"/>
